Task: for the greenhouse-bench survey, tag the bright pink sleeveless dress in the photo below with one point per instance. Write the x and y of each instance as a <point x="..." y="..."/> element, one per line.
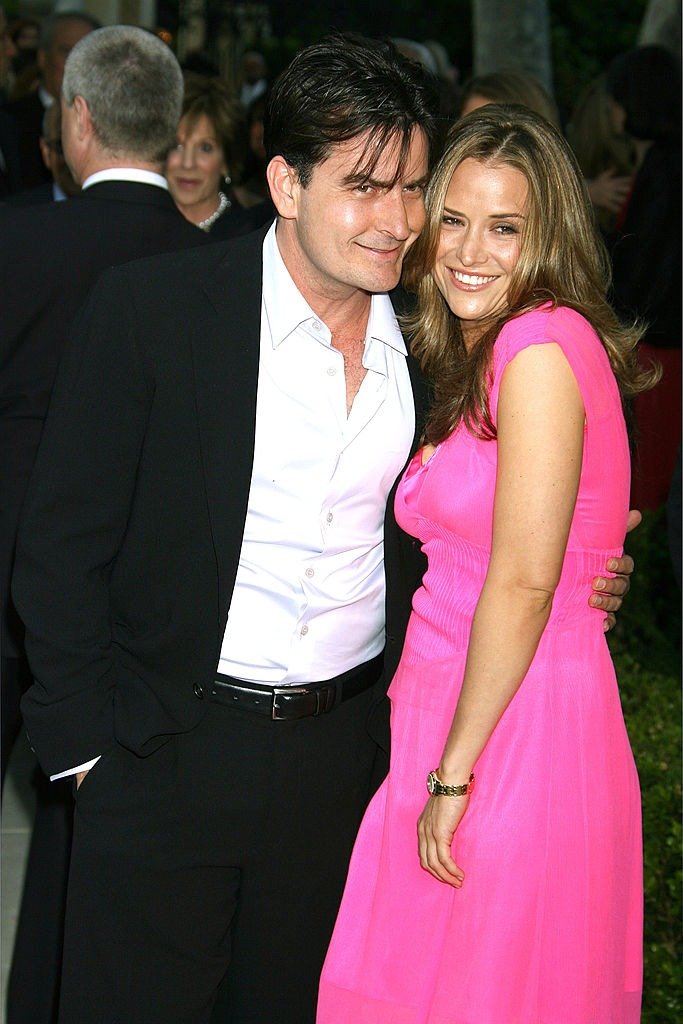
<point x="547" y="928"/>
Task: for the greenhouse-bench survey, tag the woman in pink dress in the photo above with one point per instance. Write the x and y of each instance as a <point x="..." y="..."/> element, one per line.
<point x="515" y="899"/>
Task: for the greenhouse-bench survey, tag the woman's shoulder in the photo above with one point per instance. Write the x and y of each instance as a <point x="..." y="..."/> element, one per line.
<point x="546" y="324"/>
<point x="575" y="335"/>
<point x="542" y="323"/>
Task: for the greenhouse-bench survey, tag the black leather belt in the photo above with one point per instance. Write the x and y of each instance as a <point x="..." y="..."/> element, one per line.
<point x="300" y="700"/>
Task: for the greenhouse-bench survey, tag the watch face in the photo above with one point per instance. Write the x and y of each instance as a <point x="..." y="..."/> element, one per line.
<point x="431" y="783"/>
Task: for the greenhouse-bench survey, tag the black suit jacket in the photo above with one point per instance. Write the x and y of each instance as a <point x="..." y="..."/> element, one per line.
<point x="38" y="194"/>
<point x="10" y="168"/>
<point x="50" y="256"/>
<point x="27" y="113"/>
<point x="147" y="455"/>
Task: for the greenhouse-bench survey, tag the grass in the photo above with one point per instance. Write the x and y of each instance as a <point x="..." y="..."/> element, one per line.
<point x="646" y="646"/>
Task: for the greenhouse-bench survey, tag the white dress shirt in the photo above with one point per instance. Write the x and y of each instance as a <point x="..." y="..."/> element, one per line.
<point x="139" y="174"/>
<point x="308" y="602"/>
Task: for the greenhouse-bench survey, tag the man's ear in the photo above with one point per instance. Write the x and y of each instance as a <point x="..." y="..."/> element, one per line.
<point x="284" y="185"/>
<point x="83" y="117"/>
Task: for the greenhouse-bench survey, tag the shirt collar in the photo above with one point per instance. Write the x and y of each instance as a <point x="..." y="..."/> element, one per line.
<point x="126" y="174"/>
<point x="281" y="294"/>
<point x="46" y="98"/>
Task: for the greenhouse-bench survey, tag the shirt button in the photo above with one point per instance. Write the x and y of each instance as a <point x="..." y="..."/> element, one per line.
<point x="329" y="517"/>
<point x="198" y="691"/>
<point x="304" y="630"/>
<point x="331" y="372"/>
<point x="310" y="573"/>
<point x="316" y="326"/>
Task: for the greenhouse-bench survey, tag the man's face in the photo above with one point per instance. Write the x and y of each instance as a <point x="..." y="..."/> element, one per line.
<point x="53" y="156"/>
<point x="351" y="233"/>
<point x="51" y="61"/>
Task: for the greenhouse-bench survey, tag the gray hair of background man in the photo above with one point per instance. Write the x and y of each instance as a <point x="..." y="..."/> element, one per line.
<point x="133" y="86"/>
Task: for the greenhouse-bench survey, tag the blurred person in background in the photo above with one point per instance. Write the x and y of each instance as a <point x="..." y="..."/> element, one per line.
<point x="644" y="88"/>
<point x="60" y="33"/>
<point x="200" y="166"/>
<point x="253" y="77"/>
<point x="25" y="33"/>
<point x="509" y="87"/>
<point x="607" y="157"/>
<point x="255" y="160"/>
<point x="9" y="150"/>
<point x="62" y="186"/>
<point x="7" y="54"/>
<point x="50" y="255"/>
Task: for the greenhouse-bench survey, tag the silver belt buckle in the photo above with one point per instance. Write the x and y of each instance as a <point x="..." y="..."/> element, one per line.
<point x="284" y="691"/>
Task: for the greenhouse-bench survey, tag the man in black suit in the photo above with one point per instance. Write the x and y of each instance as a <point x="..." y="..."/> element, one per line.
<point x="61" y="185"/>
<point x="200" y="566"/>
<point x="50" y="255"/>
<point x="59" y="34"/>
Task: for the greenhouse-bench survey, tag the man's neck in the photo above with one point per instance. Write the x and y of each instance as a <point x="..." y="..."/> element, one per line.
<point x="111" y="163"/>
<point x="341" y="307"/>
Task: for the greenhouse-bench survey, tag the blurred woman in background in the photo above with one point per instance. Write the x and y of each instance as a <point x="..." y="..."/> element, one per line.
<point x="201" y="166"/>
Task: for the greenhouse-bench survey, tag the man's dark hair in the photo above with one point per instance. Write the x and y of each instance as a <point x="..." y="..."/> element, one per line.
<point x="343" y="87"/>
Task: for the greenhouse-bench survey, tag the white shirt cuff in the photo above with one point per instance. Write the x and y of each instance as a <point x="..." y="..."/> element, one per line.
<point x="73" y="771"/>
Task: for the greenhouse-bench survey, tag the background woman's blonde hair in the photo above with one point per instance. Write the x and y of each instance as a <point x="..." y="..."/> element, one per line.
<point x="562" y="261"/>
<point x="508" y="86"/>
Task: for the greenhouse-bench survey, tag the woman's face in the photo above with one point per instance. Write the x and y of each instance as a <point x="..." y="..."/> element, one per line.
<point x="195" y="167"/>
<point x="482" y="226"/>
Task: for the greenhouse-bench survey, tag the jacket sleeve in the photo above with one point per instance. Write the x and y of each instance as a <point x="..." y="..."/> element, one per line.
<point x="72" y="526"/>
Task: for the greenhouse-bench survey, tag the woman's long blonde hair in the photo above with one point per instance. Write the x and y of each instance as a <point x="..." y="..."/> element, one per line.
<point x="562" y="261"/>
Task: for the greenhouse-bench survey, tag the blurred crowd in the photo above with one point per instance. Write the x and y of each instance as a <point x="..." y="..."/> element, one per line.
<point x="624" y="129"/>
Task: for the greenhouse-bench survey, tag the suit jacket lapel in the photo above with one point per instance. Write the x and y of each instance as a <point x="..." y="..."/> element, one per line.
<point x="226" y="359"/>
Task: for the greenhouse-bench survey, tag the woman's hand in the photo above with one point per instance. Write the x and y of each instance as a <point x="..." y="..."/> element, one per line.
<point x="435" y="830"/>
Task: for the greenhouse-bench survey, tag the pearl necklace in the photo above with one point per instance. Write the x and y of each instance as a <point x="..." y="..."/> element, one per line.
<point x="223" y="204"/>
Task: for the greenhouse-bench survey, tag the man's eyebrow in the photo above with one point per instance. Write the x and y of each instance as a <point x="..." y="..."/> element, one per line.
<point x="365" y="179"/>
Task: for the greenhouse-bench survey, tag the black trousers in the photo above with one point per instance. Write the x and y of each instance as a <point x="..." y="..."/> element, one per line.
<point x="33" y="985"/>
<point x="217" y="861"/>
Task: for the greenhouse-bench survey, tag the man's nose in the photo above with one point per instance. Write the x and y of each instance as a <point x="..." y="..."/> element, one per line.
<point x="394" y="218"/>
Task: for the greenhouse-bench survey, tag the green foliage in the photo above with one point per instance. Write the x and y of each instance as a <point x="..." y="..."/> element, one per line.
<point x="646" y="646"/>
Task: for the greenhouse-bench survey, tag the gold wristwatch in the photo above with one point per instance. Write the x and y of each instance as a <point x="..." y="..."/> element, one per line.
<point x="438" y="788"/>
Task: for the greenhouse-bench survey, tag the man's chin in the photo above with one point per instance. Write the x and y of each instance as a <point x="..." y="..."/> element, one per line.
<point x="376" y="283"/>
